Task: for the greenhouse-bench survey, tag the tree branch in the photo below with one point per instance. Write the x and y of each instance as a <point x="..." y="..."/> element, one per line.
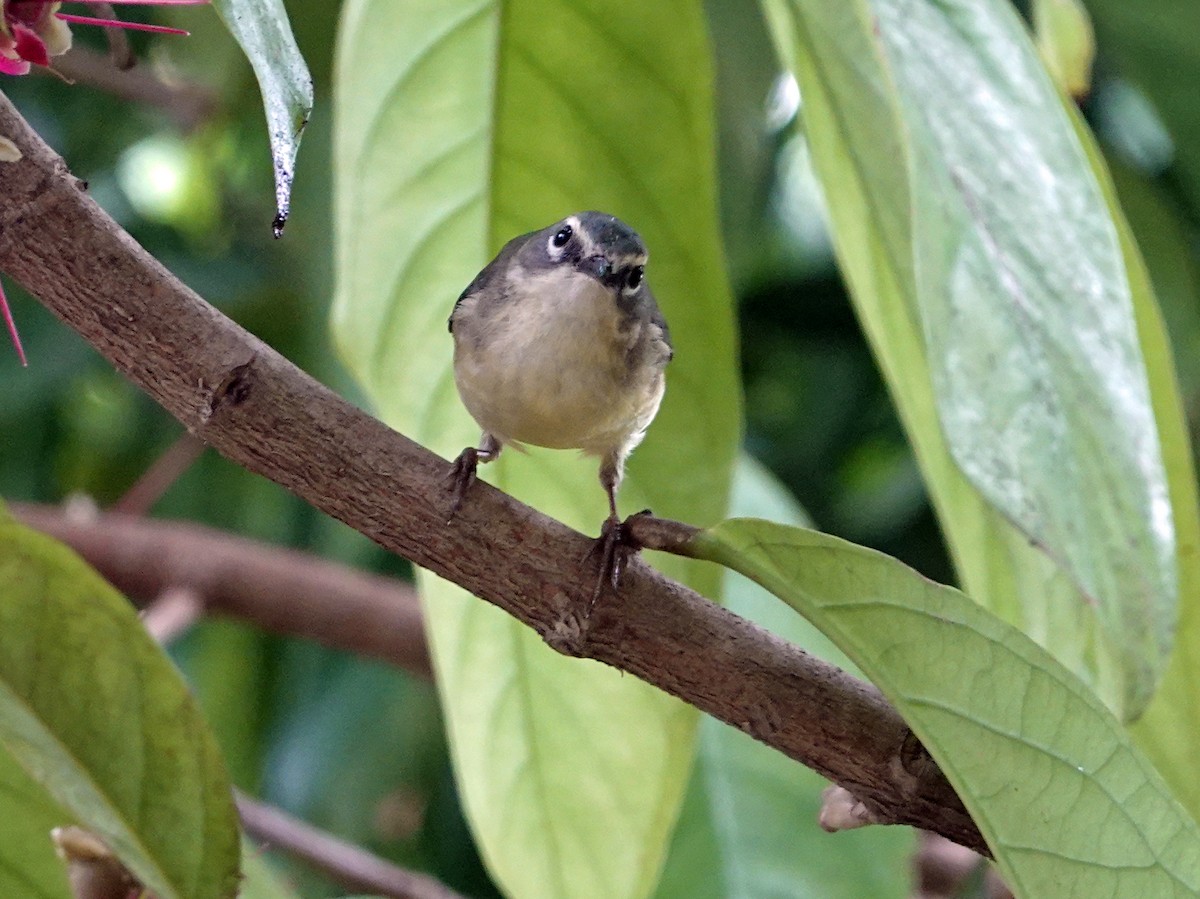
<point x="253" y="406"/>
<point x="279" y="590"/>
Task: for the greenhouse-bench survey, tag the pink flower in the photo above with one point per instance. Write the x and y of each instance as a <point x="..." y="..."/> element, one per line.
<point x="32" y="31"/>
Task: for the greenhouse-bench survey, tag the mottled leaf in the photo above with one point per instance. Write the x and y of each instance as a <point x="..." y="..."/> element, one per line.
<point x="856" y="128"/>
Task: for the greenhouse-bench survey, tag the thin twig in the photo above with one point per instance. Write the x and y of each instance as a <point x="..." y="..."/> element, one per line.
<point x="172" y="614"/>
<point x="253" y="406"/>
<point x="346" y="864"/>
<point x="155" y="480"/>
<point x="120" y="53"/>
<point x="188" y="104"/>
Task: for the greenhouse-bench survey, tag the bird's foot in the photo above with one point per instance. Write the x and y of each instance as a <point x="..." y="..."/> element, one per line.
<point x="615" y="546"/>
<point x="461" y="477"/>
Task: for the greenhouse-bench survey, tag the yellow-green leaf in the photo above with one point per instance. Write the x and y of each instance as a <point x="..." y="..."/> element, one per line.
<point x="460" y="125"/>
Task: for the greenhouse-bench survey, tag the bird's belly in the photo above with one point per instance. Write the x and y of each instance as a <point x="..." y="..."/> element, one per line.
<point x="558" y="393"/>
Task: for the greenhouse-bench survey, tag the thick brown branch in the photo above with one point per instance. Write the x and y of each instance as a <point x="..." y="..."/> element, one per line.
<point x="279" y="590"/>
<point x="253" y="406"/>
<point x="347" y="865"/>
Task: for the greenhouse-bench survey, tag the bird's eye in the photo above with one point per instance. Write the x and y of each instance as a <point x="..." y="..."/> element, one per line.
<point x="562" y="235"/>
<point x="634" y="278"/>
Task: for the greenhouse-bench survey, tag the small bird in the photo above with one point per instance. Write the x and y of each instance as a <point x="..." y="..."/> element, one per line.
<point x="559" y="343"/>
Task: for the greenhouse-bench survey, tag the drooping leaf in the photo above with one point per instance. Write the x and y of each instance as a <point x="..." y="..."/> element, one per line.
<point x="460" y="125"/>
<point x="94" y="712"/>
<point x="854" y="131"/>
<point x="1028" y="318"/>
<point x="857" y="131"/>
<point x="1054" y="782"/>
<point x="749" y="826"/>
<point x="263" y="30"/>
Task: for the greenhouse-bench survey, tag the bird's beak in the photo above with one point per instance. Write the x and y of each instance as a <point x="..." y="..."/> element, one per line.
<point x="597" y="266"/>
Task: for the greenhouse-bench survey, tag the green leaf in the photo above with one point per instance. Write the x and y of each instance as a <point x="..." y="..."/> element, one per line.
<point x="460" y="125"/>
<point x="1028" y="318"/>
<point x="262" y="29"/>
<point x="855" y="134"/>
<point x="1050" y="776"/>
<point x="749" y="827"/>
<point x="857" y="130"/>
<point x="28" y="866"/>
<point x="93" y="710"/>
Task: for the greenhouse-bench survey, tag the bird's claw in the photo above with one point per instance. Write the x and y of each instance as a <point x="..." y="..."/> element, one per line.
<point x="614" y="546"/>
<point x="461" y="477"/>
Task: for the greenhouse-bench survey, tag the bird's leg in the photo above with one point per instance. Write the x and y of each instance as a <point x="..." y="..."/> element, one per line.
<point x="614" y="545"/>
<point x="462" y="473"/>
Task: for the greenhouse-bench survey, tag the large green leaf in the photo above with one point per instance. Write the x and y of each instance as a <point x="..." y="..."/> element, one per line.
<point x="1028" y="318"/>
<point x="856" y="135"/>
<point x="92" y="710"/>
<point x="1065" y="800"/>
<point x="857" y="132"/>
<point x="749" y="827"/>
<point x="459" y="125"/>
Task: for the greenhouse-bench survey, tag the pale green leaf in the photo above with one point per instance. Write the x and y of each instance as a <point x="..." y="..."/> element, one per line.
<point x="1028" y="318"/>
<point x="262" y="29"/>
<point x="857" y="132"/>
<point x="94" y="711"/>
<point x="1067" y="803"/>
<point x="749" y="827"/>
<point x="460" y="125"/>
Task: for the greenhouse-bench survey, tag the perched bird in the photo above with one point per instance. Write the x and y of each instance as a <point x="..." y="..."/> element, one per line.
<point x="559" y="343"/>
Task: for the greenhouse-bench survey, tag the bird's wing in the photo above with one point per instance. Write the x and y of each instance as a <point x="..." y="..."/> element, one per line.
<point x="492" y="271"/>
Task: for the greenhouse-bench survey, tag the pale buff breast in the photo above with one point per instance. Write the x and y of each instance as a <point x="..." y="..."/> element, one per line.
<point x="556" y="372"/>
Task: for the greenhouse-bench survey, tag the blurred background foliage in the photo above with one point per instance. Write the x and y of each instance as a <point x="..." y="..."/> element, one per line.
<point x="292" y="716"/>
